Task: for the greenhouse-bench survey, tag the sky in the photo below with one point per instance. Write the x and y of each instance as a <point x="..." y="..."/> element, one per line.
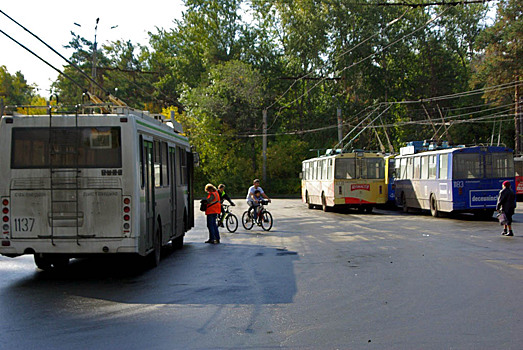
<point x="52" y="21"/>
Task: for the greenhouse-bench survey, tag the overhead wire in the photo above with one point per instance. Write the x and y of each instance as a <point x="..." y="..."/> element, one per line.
<point x="368" y="57"/>
<point x="410" y="122"/>
<point x="56" y="52"/>
<point x="46" y="62"/>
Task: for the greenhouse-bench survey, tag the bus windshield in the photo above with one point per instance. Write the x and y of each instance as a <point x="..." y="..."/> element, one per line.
<point x="96" y="147"/>
<point x="366" y="168"/>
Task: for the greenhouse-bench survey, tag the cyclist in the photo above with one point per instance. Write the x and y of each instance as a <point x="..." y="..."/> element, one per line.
<point x="223" y="197"/>
<point x="252" y="200"/>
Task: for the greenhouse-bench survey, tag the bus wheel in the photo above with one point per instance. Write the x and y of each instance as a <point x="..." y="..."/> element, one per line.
<point x="368" y="209"/>
<point x="434" y="206"/>
<point x="50" y="261"/>
<point x="42" y="261"/>
<point x="307" y="200"/>
<point x="324" y="206"/>
<point x="155" y="255"/>
<point x="404" y="203"/>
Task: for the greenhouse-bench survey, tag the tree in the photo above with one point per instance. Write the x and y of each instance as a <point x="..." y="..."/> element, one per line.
<point x="500" y="60"/>
<point x="220" y="114"/>
<point x="14" y="89"/>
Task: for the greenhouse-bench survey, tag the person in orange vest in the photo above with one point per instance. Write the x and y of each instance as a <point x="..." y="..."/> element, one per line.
<point x="214" y="208"/>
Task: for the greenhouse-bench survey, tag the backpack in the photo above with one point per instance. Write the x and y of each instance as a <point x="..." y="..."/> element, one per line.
<point x="203" y="204"/>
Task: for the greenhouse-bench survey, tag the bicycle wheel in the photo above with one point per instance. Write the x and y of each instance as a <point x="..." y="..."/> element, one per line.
<point x="247" y="221"/>
<point x="266" y="220"/>
<point x="231" y="222"/>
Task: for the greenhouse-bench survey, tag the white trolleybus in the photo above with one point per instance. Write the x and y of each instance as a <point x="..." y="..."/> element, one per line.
<point x="80" y="184"/>
<point x="355" y="179"/>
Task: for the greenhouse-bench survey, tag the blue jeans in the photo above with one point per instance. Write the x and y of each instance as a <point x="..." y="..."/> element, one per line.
<point x="214" y="234"/>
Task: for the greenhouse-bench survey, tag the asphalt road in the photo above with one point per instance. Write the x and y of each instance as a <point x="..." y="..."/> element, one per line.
<point x="317" y="280"/>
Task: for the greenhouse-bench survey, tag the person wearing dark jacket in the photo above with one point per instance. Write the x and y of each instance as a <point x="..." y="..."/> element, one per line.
<point x="507" y="205"/>
<point x="223" y="197"/>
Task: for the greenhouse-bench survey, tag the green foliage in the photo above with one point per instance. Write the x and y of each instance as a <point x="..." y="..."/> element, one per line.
<point x="301" y="60"/>
<point x="14" y="89"/>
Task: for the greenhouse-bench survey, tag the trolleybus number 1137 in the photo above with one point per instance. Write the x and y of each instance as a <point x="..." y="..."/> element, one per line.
<point x="24" y="224"/>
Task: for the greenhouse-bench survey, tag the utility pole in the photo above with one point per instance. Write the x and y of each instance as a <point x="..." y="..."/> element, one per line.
<point x="93" y="71"/>
<point x="264" y="146"/>
<point x="517" y="119"/>
<point x="340" y="126"/>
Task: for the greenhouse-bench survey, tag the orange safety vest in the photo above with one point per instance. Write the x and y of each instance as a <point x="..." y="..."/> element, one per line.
<point x="213" y="204"/>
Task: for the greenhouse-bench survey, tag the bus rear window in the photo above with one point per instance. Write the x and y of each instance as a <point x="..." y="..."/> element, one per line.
<point x="372" y="168"/>
<point x="345" y="168"/>
<point x="500" y="165"/>
<point x="467" y="166"/>
<point x="85" y="147"/>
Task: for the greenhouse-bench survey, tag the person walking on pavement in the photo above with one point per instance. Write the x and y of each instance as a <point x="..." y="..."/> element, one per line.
<point x="214" y="207"/>
<point x="506" y="204"/>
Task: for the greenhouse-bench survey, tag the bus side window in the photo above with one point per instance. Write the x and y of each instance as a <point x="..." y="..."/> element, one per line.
<point x="142" y="164"/>
<point x="165" y="173"/>
<point x="182" y="161"/>
<point x="443" y="166"/>
<point x="425" y="167"/>
<point x="416" y="168"/>
<point x="157" y="164"/>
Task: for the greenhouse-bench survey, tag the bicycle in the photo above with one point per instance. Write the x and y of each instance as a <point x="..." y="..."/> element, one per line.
<point x="231" y="221"/>
<point x="264" y="217"/>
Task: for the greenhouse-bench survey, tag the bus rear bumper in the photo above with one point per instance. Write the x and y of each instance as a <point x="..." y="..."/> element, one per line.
<point x="68" y="246"/>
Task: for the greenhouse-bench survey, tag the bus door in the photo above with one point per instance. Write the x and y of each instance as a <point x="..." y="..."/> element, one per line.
<point x="174" y="182"/>
<point x="149" y="191"/>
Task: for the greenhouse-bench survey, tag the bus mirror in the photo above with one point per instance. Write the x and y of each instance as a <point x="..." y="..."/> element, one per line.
<point x="196" y="159"/>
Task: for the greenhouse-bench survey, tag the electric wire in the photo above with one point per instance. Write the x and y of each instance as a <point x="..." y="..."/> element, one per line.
<point x="369" y="56"/>
<point x="59" y="54"/>
<point x="41" y="59"/>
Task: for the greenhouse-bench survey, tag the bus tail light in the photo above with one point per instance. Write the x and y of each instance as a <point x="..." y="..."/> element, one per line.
<point x="126" y="214"/>
<point x="6" y="219"/>
<point x="460" y="191"/>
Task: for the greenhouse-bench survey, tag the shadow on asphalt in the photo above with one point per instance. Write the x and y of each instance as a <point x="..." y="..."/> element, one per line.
<point x="197" y="274"/>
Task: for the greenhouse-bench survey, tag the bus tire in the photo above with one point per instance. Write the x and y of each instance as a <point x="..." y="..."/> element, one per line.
<point x="51" y="261"/>
<point x="324" y="206"/>
<point x="42" y="261"/>
<point x="368" y="209"/>
<point x="307" y="200"/>
<point x="434" y="206"/>
<point x="154" y="256"/>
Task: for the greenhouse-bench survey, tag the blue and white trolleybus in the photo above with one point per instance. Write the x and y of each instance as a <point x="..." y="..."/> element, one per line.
<point x="452" y="179"/>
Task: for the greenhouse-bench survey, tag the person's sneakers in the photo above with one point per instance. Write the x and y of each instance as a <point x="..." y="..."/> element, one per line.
<point x="216" y="241"/>
<point x="504" y="233"/>
<point x="510" y="233"/>
<point x="209" y="241"/>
